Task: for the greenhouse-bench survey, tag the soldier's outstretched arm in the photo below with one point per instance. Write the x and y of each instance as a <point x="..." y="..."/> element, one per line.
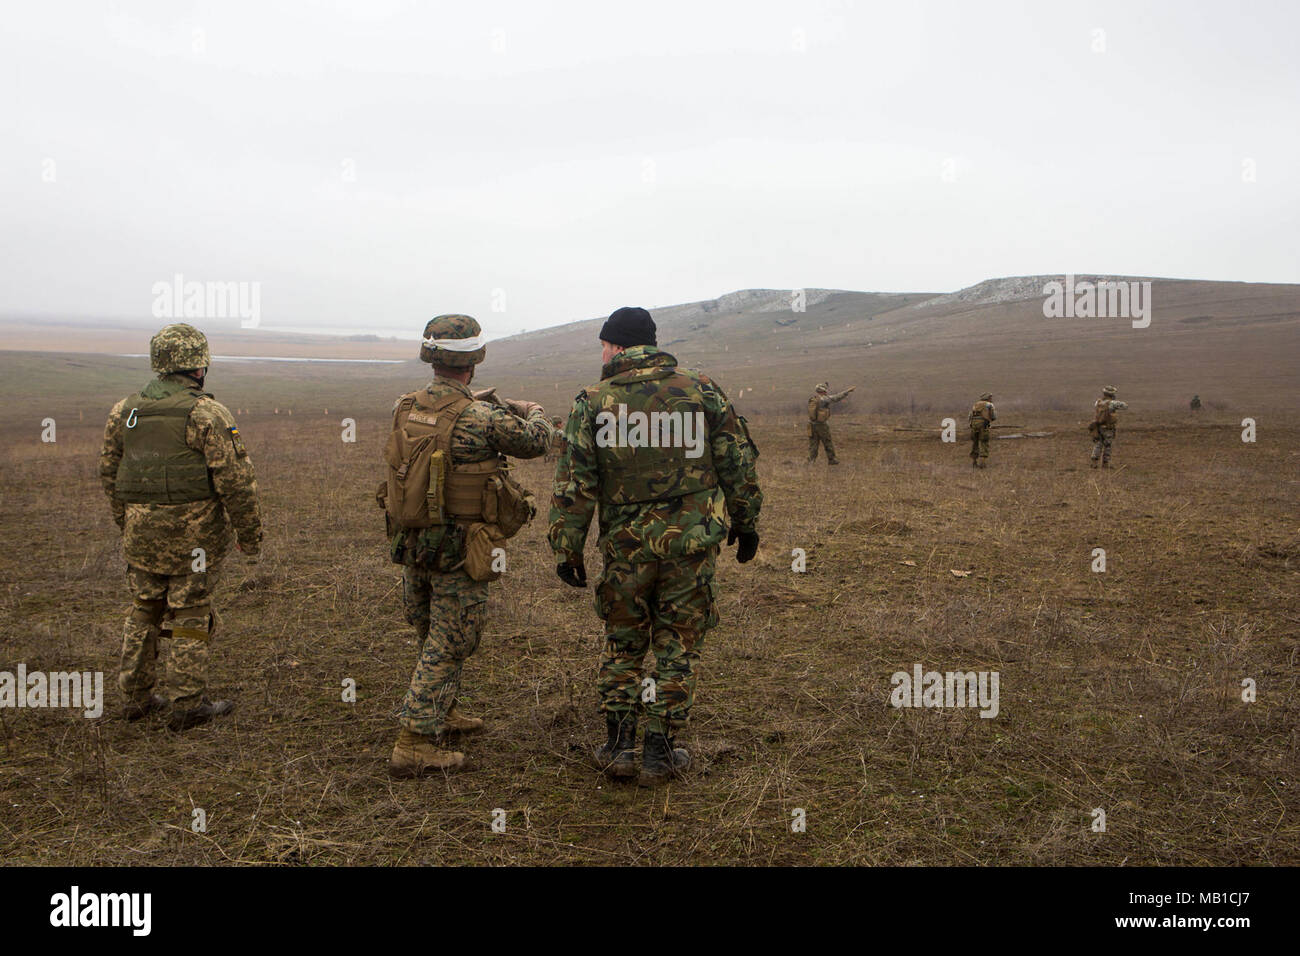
<point x="840" y="396"/>
<point x="520" y="436"/>
<point x="110" y="457"/>
<point x="212" y="431"/>
<point x="576" y="489"/>
<point x="735" y="458"/>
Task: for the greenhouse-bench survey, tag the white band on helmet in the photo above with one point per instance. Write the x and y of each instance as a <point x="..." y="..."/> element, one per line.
<point x="471" y="344"/>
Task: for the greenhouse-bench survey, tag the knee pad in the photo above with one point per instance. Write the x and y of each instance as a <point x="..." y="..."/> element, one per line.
<point x="148" y="611"/>
<point x="202" y="612"/>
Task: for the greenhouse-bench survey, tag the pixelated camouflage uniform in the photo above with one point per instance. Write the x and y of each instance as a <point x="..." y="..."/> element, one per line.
<point x="447" y="607"/>
<point x="656" y="590"/>
<point x="1104" y="415"/>
<point x="159" y="540"/>
<point x="819" y="429"/>
<point x="982" y="417"/>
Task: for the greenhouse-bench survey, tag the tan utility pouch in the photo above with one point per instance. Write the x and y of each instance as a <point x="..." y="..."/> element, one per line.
<point x="507" y="505"/>
<point x="480" y="541"/>
<point x="1094" y="429"/>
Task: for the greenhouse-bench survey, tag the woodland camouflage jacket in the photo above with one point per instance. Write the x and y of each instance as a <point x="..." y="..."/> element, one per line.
<point x="678" y="524"/>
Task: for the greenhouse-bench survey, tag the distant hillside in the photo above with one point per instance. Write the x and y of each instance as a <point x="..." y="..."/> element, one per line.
<point x="1234" y="343"/>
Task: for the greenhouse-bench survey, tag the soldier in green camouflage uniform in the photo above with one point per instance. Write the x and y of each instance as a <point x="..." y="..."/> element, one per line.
<point x="447" y="607"/>
<point x="663" y="513"/>
<point x="982" y="417"/>
<point x="819" y="429"/>
<point x="179" y="481"/>
<point x="1103" y="425"/>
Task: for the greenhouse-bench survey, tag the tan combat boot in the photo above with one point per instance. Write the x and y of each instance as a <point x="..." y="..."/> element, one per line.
<point x="415" y="754"/>
<point x="457" y="723"/>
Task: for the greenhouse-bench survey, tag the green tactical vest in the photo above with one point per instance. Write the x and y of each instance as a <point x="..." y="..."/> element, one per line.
<point x="636" y="471"/>
<point x="157" y="467"/>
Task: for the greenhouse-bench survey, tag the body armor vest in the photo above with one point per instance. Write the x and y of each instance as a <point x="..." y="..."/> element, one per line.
<point x="979" y="414"/>
<point x="1105" y="417"/>
<point x="158" y="467"/>
<point x="422" y="429"/>
<point x="632" y="469"/>
<point x="817" y="412"/>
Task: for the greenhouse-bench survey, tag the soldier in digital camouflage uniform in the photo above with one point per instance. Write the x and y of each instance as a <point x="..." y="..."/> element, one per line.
<point x="663" y="514"/>
<point x="447" y="607"/>
<point x="982" y="417"/>
<point x="179" y="481"/>
<point x="819" y="429"/>
<point x="1103" y="425"/>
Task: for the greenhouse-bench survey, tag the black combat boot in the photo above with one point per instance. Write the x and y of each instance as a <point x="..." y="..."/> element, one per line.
<point x="615" y="758"/>
<point x="661" y="761"/>
<point x="136" y="709"/>
<point x="205" y="711"/>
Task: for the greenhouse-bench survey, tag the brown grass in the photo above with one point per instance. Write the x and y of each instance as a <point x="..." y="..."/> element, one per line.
<point x="1119" y="691"/>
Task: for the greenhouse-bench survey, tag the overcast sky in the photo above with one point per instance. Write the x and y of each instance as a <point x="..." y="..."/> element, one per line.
<point x="372" y="164"/>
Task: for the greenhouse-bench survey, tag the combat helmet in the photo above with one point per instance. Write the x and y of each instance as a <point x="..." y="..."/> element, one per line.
<point x="453" y="341"/>
<point x="986" y="397"/>
<point x="178" y="348"/>
<point x="1110" y="391"/>
<point x="823" y="387"/>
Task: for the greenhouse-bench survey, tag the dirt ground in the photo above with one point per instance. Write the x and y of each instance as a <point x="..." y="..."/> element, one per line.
<point x="1119" y="690"/>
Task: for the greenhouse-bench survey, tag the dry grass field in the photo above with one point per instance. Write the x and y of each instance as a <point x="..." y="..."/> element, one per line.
<point x="1119" y="690"/>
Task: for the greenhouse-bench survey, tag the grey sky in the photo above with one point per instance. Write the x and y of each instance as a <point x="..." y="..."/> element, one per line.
<point x="581" y="156"/>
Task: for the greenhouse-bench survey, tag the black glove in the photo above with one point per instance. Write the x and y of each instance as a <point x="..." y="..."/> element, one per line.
<point x="572" y="573"/>
<point x="748" y="544"/>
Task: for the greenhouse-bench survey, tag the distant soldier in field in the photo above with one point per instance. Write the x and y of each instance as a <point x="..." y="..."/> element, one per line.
<point x="819" y="413"/>
<point x="663" y="509"/>
<point x="982" y="417"/>
<point x="179" y="481"/>
<point x="450" y="503"/>
<point x="1196" y="404"/>
<point x="1102" y="428"/>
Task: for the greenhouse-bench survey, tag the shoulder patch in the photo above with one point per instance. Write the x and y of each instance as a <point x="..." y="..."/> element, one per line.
<point x="237" y="442"/>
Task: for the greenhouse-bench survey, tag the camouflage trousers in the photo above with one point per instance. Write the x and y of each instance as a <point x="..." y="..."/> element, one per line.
<point x="819" y="433"/>
<point x="179" y="604"/>
<point x="448" y="611"/>
<point x="1101" y="444"/>
<point x="979" y="441"/>
<point x="663" y="606"/>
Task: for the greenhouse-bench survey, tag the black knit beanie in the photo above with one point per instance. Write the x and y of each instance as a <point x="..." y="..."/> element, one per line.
<point x="629" y="326"/>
